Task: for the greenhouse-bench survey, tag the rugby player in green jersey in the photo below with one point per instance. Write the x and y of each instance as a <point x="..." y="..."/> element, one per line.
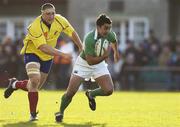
<point x="91" y="63"/>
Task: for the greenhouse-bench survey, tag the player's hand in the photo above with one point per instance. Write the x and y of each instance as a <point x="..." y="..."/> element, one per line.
<point x="106" y="52"/>
<point x="80" y="49"/>
<point x="116" y="57"/>
<point x="66" y="55"/>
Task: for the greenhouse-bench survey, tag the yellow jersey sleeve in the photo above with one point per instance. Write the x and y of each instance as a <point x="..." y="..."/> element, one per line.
<point x="67" y="28"/>
<point x="36" y="35"/>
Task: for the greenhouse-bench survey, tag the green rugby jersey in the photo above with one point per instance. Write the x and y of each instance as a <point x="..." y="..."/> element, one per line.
<point x="91" y="40"/>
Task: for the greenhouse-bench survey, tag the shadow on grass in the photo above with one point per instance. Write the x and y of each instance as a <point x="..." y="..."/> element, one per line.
<point x="34" y="124"/>
<point x="29" y="124"/>
<point x="21" y="124"/>
<point x="88" y="124"/>
<point x="2" y="121"/>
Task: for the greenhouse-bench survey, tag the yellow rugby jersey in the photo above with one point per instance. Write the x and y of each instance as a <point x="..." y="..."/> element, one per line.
<point x="39" y="33"/>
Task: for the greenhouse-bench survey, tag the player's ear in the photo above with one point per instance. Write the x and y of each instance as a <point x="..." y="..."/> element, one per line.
<point x="42" y="11"/>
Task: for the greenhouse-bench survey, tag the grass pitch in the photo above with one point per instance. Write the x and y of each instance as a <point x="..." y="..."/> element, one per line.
<point x="122" y="109"/>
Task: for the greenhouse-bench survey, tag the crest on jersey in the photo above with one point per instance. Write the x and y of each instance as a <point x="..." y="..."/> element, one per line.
<point x="45" y="34"/>
<point x="55" y="32"/>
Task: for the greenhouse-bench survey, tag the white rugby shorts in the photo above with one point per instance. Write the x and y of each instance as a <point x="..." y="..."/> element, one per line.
<point x="84" y="70"/>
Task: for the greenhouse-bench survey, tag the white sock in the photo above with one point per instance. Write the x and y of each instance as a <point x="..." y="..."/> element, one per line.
<point x="14" y="85"/>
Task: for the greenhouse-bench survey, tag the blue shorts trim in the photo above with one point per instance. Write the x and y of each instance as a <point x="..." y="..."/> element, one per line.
<point x="45" y="66"/>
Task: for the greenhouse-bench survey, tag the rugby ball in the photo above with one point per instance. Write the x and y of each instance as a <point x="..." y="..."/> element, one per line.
<point x="100" y="46"/>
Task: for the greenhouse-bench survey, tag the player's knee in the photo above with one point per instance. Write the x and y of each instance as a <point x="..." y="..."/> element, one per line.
<point x="35" y="80"/>
<point x="108" y="91"/>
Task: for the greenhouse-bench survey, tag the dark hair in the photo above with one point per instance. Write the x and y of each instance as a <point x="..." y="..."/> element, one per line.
<point x="47" y="6"/>
<point x="102" y="19"/>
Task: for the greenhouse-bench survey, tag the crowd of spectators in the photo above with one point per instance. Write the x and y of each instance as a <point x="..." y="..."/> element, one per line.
<point x="127" y="74"/>
<point x="10" y="60"/>
<point x="150" y="62"/>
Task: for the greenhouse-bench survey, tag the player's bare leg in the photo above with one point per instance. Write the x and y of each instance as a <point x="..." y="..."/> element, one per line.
<point x="43" y="79"/>
<point x="106" y="86"/>
<point x="14" y="84"/>
<point x="33" y="71"/>
<point x="74" y="83"/>
<point x="105" y="89"/>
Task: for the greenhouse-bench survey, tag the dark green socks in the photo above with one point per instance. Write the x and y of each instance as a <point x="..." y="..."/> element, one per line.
<point x="97" y="92"/>
<point x="65" y="101"/>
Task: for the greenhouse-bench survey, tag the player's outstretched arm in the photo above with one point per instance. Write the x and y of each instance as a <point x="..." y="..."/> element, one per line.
<point x="77" y="40"/>
<point x="53" y="51"/>
<point x="116" y="52"/>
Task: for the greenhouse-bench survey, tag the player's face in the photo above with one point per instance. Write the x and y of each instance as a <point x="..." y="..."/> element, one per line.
<point x="104" y="29"/>
<point x="48" y="15"/>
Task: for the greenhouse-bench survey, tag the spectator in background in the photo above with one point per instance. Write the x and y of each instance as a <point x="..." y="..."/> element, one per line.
<point x="165" y="55"/>
<point x="128" y="77"/>
<point x="153" y="54"/>
<point x="10" y="57"/>
<point x="3" y="61"/>
<point x="21" y="74"/>
<point x="152" y="46"/>
<point x="114" y="69"/>
<point x="64" y="64"/>
<point x="175" y="62"/>
<point x="142" y="58"/>
<point x="164" y="61"/>
<point x="152" y="38"/>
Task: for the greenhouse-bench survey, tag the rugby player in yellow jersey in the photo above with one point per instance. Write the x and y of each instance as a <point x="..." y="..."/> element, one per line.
<point x="39" y="50"/>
